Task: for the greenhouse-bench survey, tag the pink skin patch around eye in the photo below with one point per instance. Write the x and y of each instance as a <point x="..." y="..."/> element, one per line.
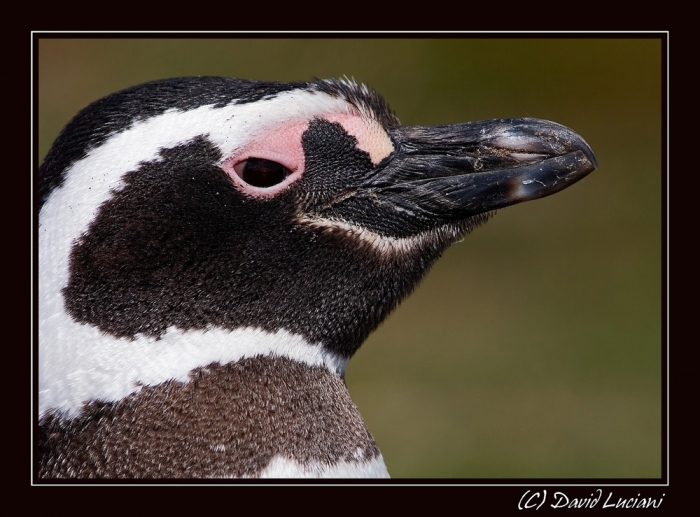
<point x="283" y="145"/>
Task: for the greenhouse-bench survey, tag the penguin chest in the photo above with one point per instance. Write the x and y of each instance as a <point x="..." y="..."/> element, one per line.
<point x="258" y="417"/>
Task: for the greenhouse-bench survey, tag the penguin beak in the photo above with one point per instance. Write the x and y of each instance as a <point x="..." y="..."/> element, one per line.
<point x="442" y="174"/>
<point x="467" y="169"/>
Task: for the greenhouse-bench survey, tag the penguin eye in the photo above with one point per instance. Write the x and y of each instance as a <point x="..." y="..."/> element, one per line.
<point x="261" y="173"/>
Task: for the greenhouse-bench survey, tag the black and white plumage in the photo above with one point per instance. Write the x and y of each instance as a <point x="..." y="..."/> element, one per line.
<point x="213" y="251"/>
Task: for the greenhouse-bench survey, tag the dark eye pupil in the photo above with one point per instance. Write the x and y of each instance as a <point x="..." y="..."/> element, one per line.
<point x="262" y="173"/>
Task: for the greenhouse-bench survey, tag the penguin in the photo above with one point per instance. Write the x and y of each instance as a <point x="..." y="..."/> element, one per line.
<point x="212" y="252"/>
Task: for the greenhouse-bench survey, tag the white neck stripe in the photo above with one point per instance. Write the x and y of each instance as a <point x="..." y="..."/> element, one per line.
<point x="101" y="367"/>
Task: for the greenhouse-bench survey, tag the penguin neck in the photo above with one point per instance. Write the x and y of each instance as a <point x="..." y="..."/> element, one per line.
<point x="82" y="364"/>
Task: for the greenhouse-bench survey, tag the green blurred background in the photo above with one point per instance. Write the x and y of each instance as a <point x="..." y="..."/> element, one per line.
<point x="533" y="348"/>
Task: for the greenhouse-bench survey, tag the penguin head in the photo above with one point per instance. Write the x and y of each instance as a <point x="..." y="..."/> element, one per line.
<point x="214" y="204"/>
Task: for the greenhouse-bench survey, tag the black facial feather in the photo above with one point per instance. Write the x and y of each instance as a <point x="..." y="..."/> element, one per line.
<point x="365" y="99"/>
<point x="181" y="246"/>
<point x="334" y="164"/>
